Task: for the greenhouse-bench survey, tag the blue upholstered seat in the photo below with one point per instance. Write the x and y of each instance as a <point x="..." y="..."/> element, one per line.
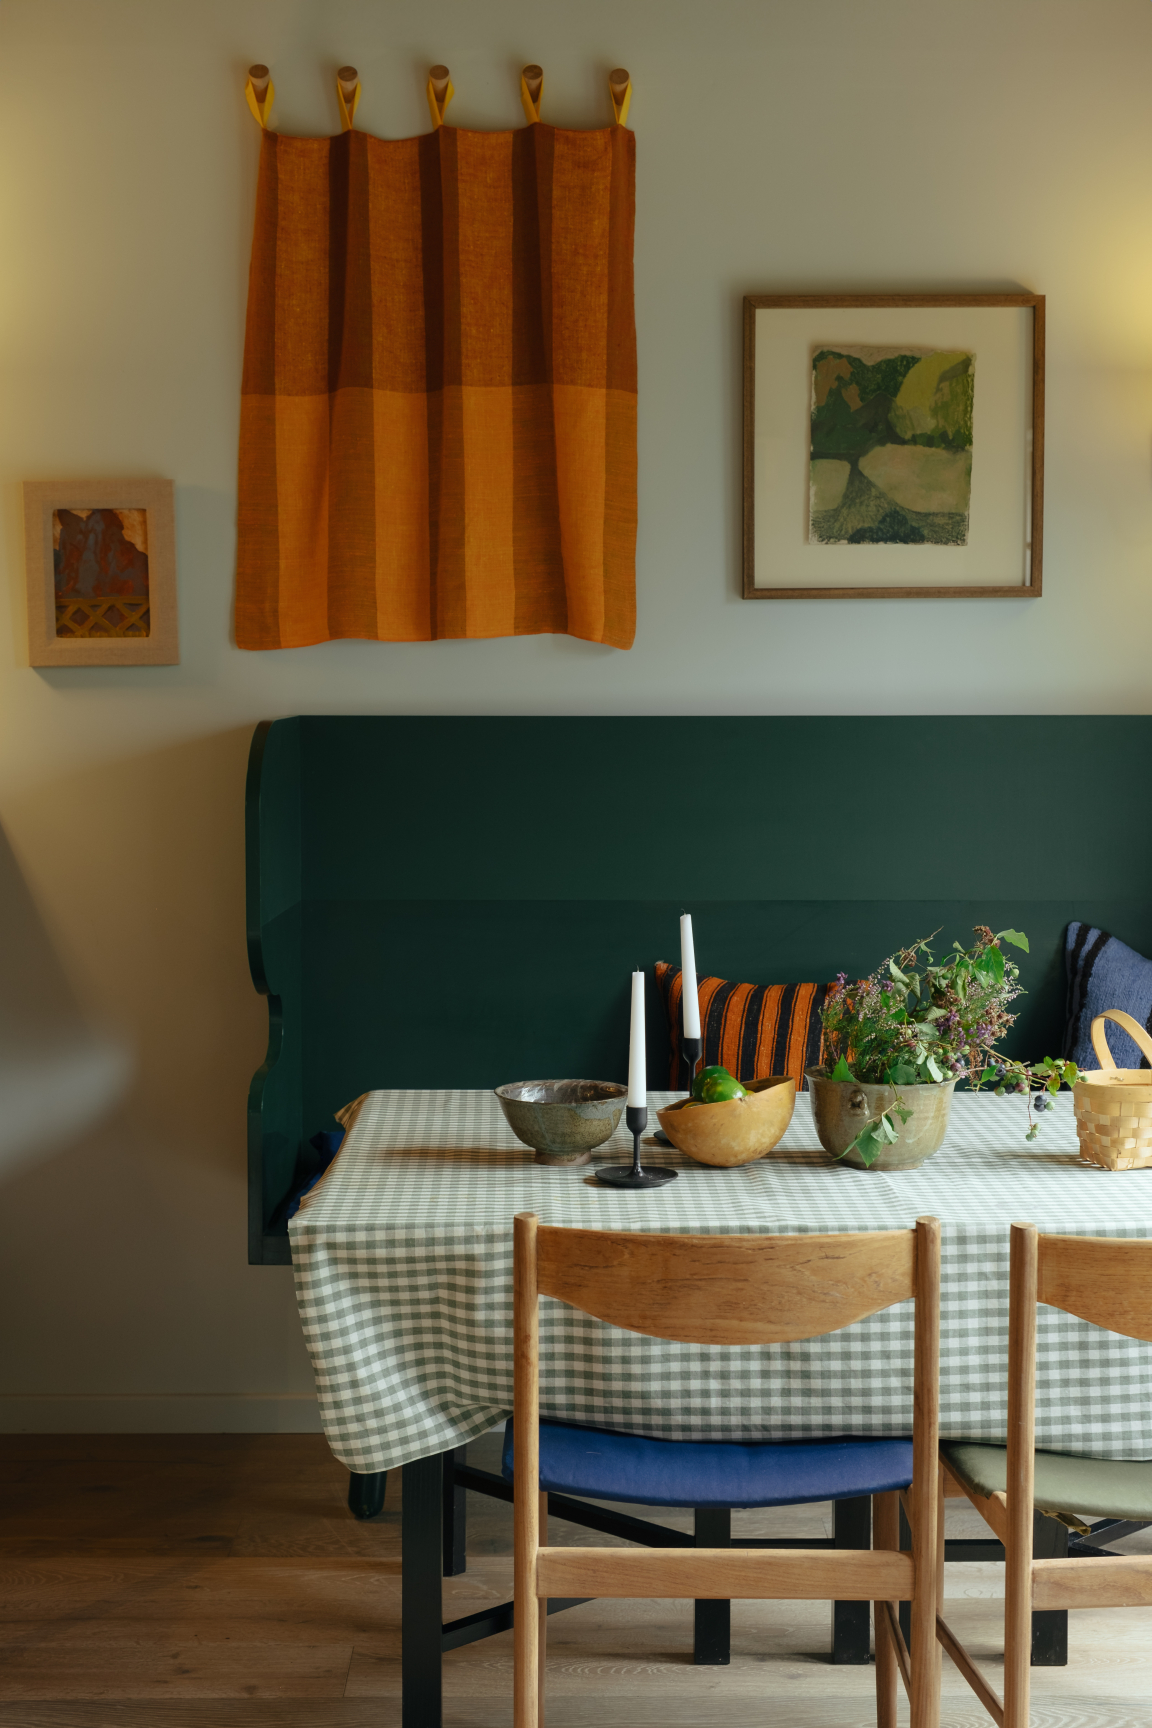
<point x="602" y="1466"/>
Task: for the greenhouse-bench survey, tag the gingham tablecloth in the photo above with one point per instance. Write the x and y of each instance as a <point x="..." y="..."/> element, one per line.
<point x="403" y="1265"/>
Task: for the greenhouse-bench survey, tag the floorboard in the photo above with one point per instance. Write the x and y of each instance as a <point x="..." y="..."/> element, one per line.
<point x="218" y="1581"/>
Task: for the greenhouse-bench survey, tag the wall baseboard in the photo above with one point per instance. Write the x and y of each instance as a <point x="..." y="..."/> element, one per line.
<point x="147" y="1413"/>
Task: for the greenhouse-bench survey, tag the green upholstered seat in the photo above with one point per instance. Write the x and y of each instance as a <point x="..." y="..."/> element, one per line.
<point x="1104" y="1487"/>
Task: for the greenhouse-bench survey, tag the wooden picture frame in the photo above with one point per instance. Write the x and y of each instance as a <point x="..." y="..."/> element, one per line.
<point x="101" y="593"/>
<point x="800" y="546"/>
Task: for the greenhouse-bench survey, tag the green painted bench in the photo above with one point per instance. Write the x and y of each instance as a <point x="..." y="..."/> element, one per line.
<point x="460" y="901"/>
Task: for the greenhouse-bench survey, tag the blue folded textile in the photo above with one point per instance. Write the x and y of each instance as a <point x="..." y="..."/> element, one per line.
<point x="1104" y="972"/>
<point x="327" y="1143"/>
<point x="602" y="1466"/>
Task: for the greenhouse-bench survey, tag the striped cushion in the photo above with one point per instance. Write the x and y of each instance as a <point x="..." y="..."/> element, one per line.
<point x="1104" y="972"/>
<point x="752" y="1029"/>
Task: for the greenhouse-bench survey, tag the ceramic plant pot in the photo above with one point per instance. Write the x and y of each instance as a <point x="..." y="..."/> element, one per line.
<point x="840" y="1108"/>
<point x="562" y="1120"/>
<point x="734" y="1132"/>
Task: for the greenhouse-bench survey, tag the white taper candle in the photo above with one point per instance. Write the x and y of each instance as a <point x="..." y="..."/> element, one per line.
<point x="690" y="996"/>
<point x="637" y="1057"/>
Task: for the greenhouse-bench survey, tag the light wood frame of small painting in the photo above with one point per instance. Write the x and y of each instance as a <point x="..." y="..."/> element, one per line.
<point x="161" y="646"/>
<point x="774" y="585"/>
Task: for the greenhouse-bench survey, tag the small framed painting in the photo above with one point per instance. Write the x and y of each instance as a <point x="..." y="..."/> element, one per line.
<point x="893" y="446"/>
<point x="101" y="567"/>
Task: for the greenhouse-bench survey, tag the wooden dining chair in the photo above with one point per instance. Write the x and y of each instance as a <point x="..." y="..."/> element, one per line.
<point x="732" y="1290"/>
<point x="1109" y="1282"/>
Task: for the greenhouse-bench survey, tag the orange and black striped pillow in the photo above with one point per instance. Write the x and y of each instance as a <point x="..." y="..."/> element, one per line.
<point x="753" y="1030"/>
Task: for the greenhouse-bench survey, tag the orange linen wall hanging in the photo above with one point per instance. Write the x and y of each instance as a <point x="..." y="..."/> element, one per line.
<point x="438" y="425"/>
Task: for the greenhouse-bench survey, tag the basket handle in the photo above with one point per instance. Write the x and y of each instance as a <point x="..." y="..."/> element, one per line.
<point x="1133" y="1028"/>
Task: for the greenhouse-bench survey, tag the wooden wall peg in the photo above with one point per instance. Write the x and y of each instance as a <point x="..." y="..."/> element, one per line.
<point x="620" y="90"/>
<point x="348" y="95"/>
<point x="531" y="91"/>
<point x="260" y="92"/>
<point x="440" y="93"/>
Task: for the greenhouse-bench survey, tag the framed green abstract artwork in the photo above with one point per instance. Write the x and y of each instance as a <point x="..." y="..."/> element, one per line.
<point x="893" y="446"/>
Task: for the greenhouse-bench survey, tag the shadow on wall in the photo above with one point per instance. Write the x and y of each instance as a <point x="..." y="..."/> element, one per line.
<point x="139" y="864"/>
<point x="58" y="1074"/>
<point x="128" y="1252"/>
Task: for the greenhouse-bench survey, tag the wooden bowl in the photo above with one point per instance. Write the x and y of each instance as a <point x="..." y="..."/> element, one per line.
<point x="735" y="1132"/>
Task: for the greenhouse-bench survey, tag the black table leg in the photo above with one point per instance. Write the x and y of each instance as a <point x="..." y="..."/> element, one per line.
<point x="366" y="1494"/>
<point x="712" y="1626"/>
<point x="1050" y="1625"/>
<point x="906" y="1607"/>
<point x="455" y="1516"/>
<point x="852" y="1621"/>
<point x="422" y="1559"/>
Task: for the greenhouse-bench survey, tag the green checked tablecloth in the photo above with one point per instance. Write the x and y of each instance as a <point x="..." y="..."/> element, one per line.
<point x="403" y="1260"/>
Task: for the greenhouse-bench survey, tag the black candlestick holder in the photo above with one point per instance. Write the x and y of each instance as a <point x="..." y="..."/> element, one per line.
<point x="632" y="1176"/>
<point x="689" y="1055"/>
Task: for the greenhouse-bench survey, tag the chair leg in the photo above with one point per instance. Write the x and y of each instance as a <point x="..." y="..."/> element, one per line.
<point x="1017" y="1635"/>
<point x="712" y="1620"/>
<point x="885" y="1534"/>
<point x="529" y="1617"/>
<point x="925" y="1653"/>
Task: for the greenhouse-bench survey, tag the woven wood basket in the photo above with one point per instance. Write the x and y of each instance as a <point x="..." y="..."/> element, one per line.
<point x="1114" y="1105"/>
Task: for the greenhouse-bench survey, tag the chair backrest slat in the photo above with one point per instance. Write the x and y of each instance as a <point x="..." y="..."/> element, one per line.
<point x="1104" y="1279"/>
<point x="727" y="1289"/>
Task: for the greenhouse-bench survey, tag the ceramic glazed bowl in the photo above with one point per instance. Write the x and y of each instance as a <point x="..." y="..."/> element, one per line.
<point x="735" y="1132"/>
<point x="840" y="1108"/>
<point x="562" y="1120"/>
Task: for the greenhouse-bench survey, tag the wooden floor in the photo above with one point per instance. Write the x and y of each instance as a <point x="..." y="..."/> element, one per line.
<point x="159" y="1581"/>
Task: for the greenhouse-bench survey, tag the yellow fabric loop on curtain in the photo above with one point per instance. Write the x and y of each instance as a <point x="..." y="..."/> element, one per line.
<point x="437" y="109"/>
<point x="260" y="110"/>
<point x="531" y="109"/>
<point x="347" y="113"/>
<point x="620" y="108"/>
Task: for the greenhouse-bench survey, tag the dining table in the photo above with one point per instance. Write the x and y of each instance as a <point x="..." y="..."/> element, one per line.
<point x="402" y="1257"/>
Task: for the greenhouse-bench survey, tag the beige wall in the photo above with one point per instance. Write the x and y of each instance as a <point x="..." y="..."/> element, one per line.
<point x="783" y="144"/>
